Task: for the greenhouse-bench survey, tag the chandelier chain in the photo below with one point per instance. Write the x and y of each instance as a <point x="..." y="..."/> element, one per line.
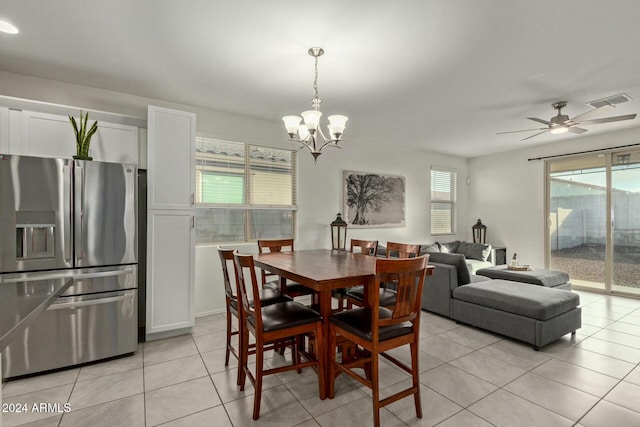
<point x="315" y="101"/>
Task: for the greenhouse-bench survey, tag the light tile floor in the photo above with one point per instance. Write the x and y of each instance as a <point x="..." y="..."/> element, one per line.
<point x="469" y="378"/>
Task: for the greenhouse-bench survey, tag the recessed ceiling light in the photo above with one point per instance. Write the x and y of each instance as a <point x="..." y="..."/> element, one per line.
<point x="6" y="27"/>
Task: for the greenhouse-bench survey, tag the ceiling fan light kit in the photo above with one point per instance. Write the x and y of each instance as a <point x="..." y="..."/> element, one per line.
<point x="309" y="134"/>
<point x="561" y="123"/>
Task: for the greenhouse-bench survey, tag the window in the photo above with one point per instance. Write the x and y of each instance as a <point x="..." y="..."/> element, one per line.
<point x="243" y="192"/>
<point x="443" y="201"/>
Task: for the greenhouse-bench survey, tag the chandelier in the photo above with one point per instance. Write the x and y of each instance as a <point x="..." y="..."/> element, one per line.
<point x="309" y="134"/>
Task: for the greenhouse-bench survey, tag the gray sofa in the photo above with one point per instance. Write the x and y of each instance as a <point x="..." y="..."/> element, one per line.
<point x="451" y="271"/>
<point x="527" y="312"/>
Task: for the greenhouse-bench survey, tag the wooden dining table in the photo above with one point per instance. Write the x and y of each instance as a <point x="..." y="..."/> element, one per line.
<point x="324" y="270"/>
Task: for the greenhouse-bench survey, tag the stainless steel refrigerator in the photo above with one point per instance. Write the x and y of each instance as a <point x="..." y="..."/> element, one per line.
<point x="70" y="221"/>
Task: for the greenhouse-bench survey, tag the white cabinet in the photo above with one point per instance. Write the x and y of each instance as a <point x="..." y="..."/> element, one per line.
<point x="171" y="159"/>
<point x="51" y="135"/>
<point x="170" y="222"/>
<point x="171" y="271"/>
<point x="4" y="130"/>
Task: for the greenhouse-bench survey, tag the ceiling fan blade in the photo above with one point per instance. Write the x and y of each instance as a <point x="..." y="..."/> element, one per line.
<point x="608" y="119"/>
<point x="544" y="122"/>
<point x="590" y="113"/>
<point x="516" y="131"/>
<point x="535" y="134"/>
<point x="575" y="129"/>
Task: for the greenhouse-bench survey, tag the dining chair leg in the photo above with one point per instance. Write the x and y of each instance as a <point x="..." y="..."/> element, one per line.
<point x="228" y="350"/>
<point x="241" y="351"/>
<point x="244" y="356"/>
<point x="319" y="338"/>
<point x="375" y="388"/>
<point x="258" y="379"/>
<point x="416" y="377"/>
<point x="332" y="360"/>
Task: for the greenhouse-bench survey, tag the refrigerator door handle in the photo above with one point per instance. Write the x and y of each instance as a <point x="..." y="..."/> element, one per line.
<point x="67" y="275"/>
<point x="101" y="274"/>
<point x="79" y="179"/>
<point x="96" y="301"/>
<point x="66" y="213"/>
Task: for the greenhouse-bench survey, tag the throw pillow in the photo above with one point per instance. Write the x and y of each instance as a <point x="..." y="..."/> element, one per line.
<point x="457" y="260"/>
<point x="449" y="248"/>
<point x="479" y="251"/>
<point x="427" y="249"/>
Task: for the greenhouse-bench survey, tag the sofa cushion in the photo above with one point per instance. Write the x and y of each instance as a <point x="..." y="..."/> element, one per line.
<point x="428" y="249"/>
<point x="535" y="302"/>
<point x="479" y="251"/>
<point x="474" y="265"/>
<point x="538" y="276"/>
<point x="457" y="260"/>
<point x="450" y="247"/>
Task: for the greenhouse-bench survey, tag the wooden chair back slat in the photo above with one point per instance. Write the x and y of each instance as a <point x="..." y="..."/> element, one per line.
<point x="408" y="275"/>
<point x="245" y="271"/>
<point x="367" y="247"/>
<point x="404" y="250"/>
<point x="226" y="258"/>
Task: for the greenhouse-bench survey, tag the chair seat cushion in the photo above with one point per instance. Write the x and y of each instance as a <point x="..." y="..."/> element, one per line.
<point x="286" y="315"/>
<point x="387" y="296"/>
<point x="358" y="322"/>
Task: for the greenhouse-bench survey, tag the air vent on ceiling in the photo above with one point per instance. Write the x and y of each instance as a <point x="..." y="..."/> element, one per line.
<point x="615" y="99"/>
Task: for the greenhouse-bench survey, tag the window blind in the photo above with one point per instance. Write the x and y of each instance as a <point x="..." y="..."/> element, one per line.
<point x="443" y="201"/>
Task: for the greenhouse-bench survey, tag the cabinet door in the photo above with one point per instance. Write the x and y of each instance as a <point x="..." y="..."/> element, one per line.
<point x="170" y="270"/>
<point x="171" y="158"/>
<point x="4" y="130"/>
<point x="51" y="135"/>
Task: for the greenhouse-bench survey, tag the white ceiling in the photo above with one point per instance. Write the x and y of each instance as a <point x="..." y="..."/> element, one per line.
<point x="441" y="75"/>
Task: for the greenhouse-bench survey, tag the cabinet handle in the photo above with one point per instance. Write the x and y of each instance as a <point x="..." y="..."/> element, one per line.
<point x="193" y="222"/>
<point x="193" y="199"/>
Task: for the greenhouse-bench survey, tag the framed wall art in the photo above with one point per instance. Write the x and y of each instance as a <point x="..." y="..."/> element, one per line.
<point x="373" y="200"/>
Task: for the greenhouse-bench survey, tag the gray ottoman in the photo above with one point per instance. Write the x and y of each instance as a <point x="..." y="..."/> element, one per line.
<point x="538" y="276"/>
<point x="534" y="314"/>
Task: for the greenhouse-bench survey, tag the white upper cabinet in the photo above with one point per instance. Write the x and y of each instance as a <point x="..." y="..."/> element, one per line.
<point x="4" y="130"/>
<point x="51" y="135"/>
<point x="171" y="137"/>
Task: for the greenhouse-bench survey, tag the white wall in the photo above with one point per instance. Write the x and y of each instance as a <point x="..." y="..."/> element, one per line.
<point x="507" y="191"/>
<point x="319" y="187"/>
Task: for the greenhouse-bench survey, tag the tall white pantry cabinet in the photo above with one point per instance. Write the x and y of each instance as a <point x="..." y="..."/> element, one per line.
<point x="170" y="222"/>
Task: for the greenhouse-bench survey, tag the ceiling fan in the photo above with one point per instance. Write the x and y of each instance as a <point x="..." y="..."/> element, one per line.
<point x="561" y="123"/>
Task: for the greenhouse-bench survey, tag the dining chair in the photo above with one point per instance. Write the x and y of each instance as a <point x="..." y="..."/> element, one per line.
<point x="267" y="296"/>
<point x="355" y="296"/>
<point x="376" y="329"/>
<point x="366" y="247"/>
<point x="273" y="324"/>
<point x="277" y="245"/>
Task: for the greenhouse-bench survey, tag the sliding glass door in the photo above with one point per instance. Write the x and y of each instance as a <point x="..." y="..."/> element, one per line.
<point x="594" y="220"/>
<point x="625" y="204"/>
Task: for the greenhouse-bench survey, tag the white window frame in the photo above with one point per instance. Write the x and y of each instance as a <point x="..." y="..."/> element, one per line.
<point x="248" y="207"/>
<point x="451" y="201"/>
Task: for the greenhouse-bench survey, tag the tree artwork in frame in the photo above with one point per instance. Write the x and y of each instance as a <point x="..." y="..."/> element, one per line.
<point x="373" y="200"/>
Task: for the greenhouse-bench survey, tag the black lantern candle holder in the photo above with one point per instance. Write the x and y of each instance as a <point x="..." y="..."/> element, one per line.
<point x="339" y="234"/>
<point x="479" y="232"/>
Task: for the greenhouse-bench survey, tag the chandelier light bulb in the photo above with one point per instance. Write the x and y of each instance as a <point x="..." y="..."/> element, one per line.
<point x="292" y="123"/>
<point x="311" y="120"/>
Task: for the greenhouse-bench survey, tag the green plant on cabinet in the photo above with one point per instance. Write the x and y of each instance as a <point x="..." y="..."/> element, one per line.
<point x="83" y="136"/>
